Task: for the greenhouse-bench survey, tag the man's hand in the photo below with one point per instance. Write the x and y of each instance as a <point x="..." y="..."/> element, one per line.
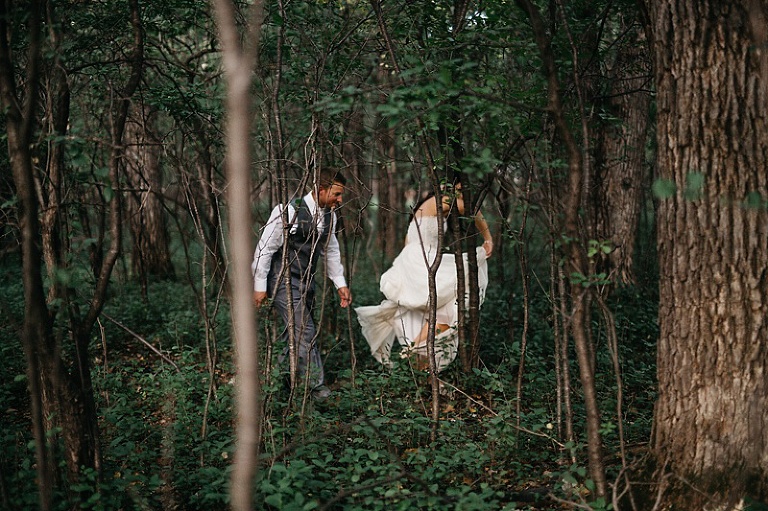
<point x="345" y="295"/>
<point x="259" y="297"/>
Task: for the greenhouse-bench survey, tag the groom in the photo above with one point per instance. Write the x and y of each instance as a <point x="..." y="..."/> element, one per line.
<point x="311" y="232"/>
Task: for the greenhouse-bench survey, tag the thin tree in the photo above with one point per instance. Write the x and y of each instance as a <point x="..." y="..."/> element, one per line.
<point x="573" y="250"/>
<point x="240" y="60"/>
<point x="20" y="125"/>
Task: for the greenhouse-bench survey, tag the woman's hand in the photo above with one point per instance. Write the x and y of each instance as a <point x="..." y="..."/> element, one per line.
<point x="488" y="247"/>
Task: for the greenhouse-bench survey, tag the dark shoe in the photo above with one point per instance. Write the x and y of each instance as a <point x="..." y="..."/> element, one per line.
<point x="321" y="393"/>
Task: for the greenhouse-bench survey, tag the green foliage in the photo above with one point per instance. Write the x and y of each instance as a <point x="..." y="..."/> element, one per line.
<point x="154" y="423"/>
<point x="368" y="447"/>
<point x="596" y="279"/>
<point x="390" y="452"/>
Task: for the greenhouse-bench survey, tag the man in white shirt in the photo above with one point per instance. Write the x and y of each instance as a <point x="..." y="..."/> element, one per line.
<point x="311" y="232"/>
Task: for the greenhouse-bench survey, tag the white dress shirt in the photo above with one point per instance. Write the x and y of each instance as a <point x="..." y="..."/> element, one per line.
<point x="271" y="241"/>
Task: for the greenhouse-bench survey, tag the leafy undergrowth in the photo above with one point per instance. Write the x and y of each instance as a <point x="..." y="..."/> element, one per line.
<point x="368" y="447"/>
<point x="168" y="440"/>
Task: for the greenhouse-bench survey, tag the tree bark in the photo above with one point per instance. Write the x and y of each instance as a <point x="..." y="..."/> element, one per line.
<point x="55" y="123"/>
<point x="621" y="171"/>
<point x="711" y="418"/>
<point x="37" y="336"/>
<point x="151" y="244"/>
<point x="390" y="204"/>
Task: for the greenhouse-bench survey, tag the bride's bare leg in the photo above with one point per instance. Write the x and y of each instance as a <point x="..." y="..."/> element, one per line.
<point x="419" y="359"/>
<point x="422" y="337"/>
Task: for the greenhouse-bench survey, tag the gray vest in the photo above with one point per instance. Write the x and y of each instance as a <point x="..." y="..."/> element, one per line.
<point x="305" y="247"/>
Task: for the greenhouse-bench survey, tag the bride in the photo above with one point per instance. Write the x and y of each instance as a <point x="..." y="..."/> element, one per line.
<point x="404" y="313"/>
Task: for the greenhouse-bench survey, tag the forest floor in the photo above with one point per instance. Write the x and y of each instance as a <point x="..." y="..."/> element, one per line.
<point x="164" y="384"/>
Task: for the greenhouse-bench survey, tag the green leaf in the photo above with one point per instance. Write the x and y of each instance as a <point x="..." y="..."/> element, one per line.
<point x="663" y="188"/>
<point x="755" y="200"/>
<point x="694" y="185"/>
<point x="63" y="276"/>
<point x="10" y="202"/>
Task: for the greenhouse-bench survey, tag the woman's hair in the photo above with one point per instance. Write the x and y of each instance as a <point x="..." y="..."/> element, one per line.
<point x="455" y="179"/>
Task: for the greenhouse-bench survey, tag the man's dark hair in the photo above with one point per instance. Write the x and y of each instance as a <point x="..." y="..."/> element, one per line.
<point x="327" y="176"/>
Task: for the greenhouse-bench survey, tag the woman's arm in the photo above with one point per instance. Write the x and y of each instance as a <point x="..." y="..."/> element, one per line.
<point x="429" y="208"/>
<point x="485" y="231"/>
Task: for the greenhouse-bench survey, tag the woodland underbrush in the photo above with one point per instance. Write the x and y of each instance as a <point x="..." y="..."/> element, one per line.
<point x="165" y="388"/>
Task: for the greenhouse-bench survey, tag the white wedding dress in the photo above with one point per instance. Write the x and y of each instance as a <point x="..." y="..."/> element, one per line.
<point x="406" y="287"/>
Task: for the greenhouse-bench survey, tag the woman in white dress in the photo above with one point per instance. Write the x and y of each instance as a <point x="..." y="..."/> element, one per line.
<point x="404" y="314"/>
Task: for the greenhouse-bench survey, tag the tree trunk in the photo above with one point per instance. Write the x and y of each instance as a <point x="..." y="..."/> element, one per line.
<point x="239" y="63"/>
<point x="36" y="336"/>
<point x="620" y="166"/>
<point x="151" y="245"/>
<point x="389" y="203"/>
<point x="56" y="123"/>
<point x="573" y="251"/>
<point x="711" y="418"/>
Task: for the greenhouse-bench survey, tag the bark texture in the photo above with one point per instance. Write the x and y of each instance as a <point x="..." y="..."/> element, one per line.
<point x="151" y="257"/>
<point x="621" y="169"/>
<point x="711" y="418"/>
<point x="390" y="202"/>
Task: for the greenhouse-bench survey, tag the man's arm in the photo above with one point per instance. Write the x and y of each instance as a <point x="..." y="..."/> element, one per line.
<point x="270" y="242"/>
<point x="333" y="267"/>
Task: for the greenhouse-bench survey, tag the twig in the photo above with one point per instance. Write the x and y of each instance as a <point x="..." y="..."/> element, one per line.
<point x="569" y="502"/>
<point x="140" y="338"/>
<point x="495" y="414"/>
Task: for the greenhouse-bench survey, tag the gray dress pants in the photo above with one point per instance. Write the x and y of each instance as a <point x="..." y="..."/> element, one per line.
<point x="305" y="332"/>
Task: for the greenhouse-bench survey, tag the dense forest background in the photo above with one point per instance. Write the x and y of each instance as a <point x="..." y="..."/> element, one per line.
<point x="616" y="149"/>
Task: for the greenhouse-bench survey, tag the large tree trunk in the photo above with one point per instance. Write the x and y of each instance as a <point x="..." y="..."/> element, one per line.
<point x="711" y="418"/>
